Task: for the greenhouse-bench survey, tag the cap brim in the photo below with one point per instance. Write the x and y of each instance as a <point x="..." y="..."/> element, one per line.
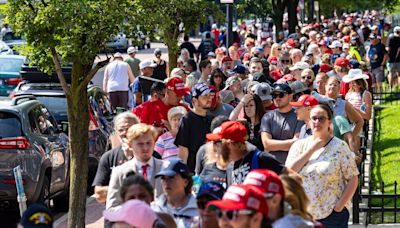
<point x="113" y="216"/>
<point x="267" y="97"/>
<point x="168" y="173"/>
<point x="208" y="194"/>
<point x="153" y="65"/>
<point x="213" y="137"/>
<point x="182" y="92"/>
<point x="226" y="205"/>
<point x="296" y="104"/>
<point x="293" y="68"/>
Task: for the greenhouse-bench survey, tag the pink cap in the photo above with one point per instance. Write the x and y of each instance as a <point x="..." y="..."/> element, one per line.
<point x="134" y="212"/>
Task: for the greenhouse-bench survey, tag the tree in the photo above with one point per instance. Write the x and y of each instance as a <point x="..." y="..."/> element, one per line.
<point x="278" y="9"/>
<point x="69" y="31"/>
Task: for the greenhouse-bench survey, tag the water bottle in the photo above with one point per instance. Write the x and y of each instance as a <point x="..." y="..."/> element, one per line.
<point x="196" y="184"/>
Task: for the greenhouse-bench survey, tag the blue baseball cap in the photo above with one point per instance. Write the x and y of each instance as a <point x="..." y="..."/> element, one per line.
<point x="240" y="69"/>
<point x="211" y="188"/>
<point x="200" y="89"/>
<point x="37" y="215"/>
<point x="354" y="64"/>
<point x="171" y="167"/>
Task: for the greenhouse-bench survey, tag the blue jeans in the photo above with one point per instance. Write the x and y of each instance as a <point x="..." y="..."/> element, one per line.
<point x="336" y="219"/>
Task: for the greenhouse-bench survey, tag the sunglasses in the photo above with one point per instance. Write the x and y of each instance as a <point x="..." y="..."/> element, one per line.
<point x="320" y="119"/>
<point x="279" y="49"/>
<point x="307" y="77"/>
<point x="285" y="61"/>
<point x="201" y="204"/>
<point x="232" y="215"/>
<point x="276" y="95"/>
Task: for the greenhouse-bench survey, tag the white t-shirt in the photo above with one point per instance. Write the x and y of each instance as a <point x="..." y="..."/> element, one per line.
<point x="118" y="78"/>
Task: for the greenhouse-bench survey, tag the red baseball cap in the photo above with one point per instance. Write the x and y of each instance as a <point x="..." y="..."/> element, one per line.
<point x="226" y="59"/>
<point x="343" y="62"/>
<point x="273" y="60"/>
<point x="233" y="130"/>
<point x="239" y="197"/>
<point x="178" y="86"/>
<point x="324" y="68"/>
<point x="305" y="100"/>
<point x="290" y="42"/>
<point x="266" y="181"/>
<point x="288" y="78"/>
<point x="276" y="74"/>
<point x="346" y="38"/>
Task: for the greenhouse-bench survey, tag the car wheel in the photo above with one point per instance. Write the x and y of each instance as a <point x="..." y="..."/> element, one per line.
<point x="61" y="204"/>
<point x="44" y="196"/>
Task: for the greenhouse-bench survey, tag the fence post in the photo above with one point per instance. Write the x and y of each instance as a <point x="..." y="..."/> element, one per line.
<point x="382" y="202"/>
<point x="395" y="201"/>
<point x="356" y="206"/>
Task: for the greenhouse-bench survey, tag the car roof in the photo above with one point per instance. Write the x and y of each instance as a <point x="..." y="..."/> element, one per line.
<point x="7" y="103"/>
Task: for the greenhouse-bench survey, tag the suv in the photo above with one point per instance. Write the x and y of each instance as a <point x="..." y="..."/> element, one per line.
<point x="29" y="138"/>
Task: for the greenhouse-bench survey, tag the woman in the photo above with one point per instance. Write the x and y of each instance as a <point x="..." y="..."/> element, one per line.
<point x="185" y="55"/>
<point x="165" y="144"/>
<point x="177" y="199"/>
<point x="328" y="169"/>
<point x="217" y="79"/>
<point x="275" y="50"/>
<point x="161" y="70"/>
<point x="358" y="95"/>
<point x="254" y="110"/>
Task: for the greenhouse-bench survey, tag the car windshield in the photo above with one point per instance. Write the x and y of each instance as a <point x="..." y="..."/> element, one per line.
<point x="56" y="105"/>
<point x="10" y="65"/>
<point x="10" y="36"/>
<point x="10" y="126"/>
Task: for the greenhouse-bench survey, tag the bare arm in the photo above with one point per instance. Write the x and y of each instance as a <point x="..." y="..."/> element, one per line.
<point x="297" y="163"/>
<point x="131" y="76"/>
<point x="275" y="145"/>
<point x="354" y="117"/>
<point x="368" y="107"/>
<point x="349" y="139"/>
<point x="100" y="193"/>
<point x="235" y="113"/>
<point x="138" y="98"/>
<point x="347" y="194"/>
<point x="183" y="153"/>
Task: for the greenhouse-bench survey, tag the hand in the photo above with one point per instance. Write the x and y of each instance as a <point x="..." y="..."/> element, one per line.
<point x="246" y="99"/>
<point x="316" y="144"/>
<point x="338" y="208"/>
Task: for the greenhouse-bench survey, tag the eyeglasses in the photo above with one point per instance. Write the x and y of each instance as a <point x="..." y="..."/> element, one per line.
<point x="307" y="77"/>
<point x="320" y="119"/>
<point x="231" y="215"/>
<point x="285" y="61"/>
<point x="276" y="95"/>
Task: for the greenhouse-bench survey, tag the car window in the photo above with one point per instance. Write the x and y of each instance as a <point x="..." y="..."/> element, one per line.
<point x="10" y="125"/>
<point x="44" y="125"/>
<point x="32" y="122"/>
<point x="10" y="65"/>
<point x="56" y="105"/>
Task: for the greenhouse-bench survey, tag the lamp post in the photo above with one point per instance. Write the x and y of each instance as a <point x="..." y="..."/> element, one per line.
<point x="229" y="18"/>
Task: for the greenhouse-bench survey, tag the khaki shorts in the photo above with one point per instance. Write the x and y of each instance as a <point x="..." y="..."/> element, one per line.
<point x="378" y="75"/>
<point x="394" y="69"/>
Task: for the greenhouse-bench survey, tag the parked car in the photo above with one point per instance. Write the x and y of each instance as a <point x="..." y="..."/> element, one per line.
<point x="47" y="90"/>
<point x="29" y="138"/>
<point x="10" y="67"/>
<point x="5" y="49"/>
<point x="14" y="41"/>
<point x="118" y="42"/>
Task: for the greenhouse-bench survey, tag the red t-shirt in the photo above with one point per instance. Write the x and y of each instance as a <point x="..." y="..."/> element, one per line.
<point x="156" y="111"/>
<point x="139" y="109"/>
<point x="344" y="88"/>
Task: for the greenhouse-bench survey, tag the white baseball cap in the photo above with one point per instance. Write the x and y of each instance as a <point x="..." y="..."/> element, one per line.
<point x="300" y="66"/>
<point x="147" y="63"/>
<point x="336" y="44"/>
<point x="131" y="50"/>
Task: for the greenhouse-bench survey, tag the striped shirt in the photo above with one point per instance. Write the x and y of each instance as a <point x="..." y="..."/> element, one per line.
<point x="165" y="146"/>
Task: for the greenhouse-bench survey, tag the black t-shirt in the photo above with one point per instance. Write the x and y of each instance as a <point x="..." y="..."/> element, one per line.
<point x="256" y="140"/>
<point x="211" y="172"/>
<point x="376" y="54"/>
<point x="190" y="47"/>
<point x="394" y="45"/>
<point x="108" y="161"/>
<point x="237" y="171"/>
<point x="192" y="134"/>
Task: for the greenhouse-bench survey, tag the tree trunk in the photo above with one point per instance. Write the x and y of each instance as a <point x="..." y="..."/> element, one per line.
<point x="292" y="15"/>
<point x="78" y="118"/>
<point x="171" y="40"/>
<point x="278" y="8"/>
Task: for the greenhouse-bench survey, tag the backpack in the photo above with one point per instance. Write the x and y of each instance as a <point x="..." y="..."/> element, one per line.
<point x="254" y="160"/>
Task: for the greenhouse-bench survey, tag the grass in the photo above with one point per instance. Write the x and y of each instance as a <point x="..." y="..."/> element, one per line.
<point x="386" y="164"/>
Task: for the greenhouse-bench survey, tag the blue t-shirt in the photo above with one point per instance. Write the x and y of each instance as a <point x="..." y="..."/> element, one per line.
<point x="137" y="87"/>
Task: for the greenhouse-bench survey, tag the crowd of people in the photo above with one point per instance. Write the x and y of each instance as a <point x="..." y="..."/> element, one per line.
<point x="262" y="133"/>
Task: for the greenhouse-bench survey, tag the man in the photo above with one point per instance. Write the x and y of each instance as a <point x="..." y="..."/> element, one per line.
<point x="115" y="157"/>
<point x="233" y="136"/>
<point x="240" y="71"/>
<point x="377" y="57"/>
<point x="394" y="57"/>
<point x="227" y="65"/>
<point x="132" y="61"/>
<point x="206" y="46"/>
<point x="296" y="55"/>
<point x="297" y="68"/>
<point x="117" y="77"/>
<point x="205" y="69"/>
<point x="157" y="92"/>
<point x="141" y="139"/>
<point x="280" y="127"/>
<point x="336" y="50"/>
<point x="189" y="46"/>
<point x="210" y="190"/>
<point x="156" y="112"/>
<point x="248" y="205"/>
<point x="142" y="84"/>
<point x="307" y="77"/>
<point x="217" y="107"/>
<point x="234" y="84"/>
<point x="194" y="126"/>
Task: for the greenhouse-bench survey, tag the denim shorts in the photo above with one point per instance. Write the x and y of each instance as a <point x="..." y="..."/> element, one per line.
<point x="336" y="219"/>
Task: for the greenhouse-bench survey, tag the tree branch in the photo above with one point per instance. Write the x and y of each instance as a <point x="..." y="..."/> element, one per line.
<point x="94" y="70"/>
<point x="59" y="72"/>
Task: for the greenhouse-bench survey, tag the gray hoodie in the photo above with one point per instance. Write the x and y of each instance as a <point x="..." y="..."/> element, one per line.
<point x="184" y="216"/>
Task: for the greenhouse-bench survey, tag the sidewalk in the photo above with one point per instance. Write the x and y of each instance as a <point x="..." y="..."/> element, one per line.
<point x="93" y="217"/>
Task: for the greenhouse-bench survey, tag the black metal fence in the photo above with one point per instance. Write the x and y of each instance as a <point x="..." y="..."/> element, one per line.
<point x="377" y="206"/>
<point x="387" y="94"/>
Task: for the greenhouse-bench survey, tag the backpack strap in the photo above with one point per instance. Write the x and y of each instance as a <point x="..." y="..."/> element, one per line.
<point x="254" y="160"/>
